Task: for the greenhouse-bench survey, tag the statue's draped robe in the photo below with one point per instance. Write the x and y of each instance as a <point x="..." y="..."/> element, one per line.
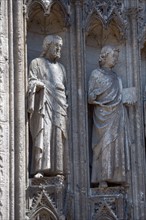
<point x="48" y="114"/>
<point x="110" y="135"/>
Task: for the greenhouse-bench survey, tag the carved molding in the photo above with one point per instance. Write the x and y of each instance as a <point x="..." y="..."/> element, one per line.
<point x="105" y="11"/>
<point x="46" y="181"/>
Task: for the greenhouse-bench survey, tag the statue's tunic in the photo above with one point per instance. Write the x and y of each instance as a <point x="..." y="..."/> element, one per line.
<point x="48" y="115"/>
<point x="110" y="135"/>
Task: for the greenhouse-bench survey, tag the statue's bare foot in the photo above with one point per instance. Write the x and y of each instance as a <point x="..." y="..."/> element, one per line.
<point x="103" y="184"/>
<point x="38" y="175"/>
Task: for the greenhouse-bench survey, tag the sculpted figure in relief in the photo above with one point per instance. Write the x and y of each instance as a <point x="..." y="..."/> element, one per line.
<point x="47" y="106"/>
<point x="110" y="135"/>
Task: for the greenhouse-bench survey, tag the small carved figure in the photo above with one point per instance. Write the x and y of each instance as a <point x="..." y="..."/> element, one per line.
<point x="110" y="135"/>
<point x="47" y="106"/>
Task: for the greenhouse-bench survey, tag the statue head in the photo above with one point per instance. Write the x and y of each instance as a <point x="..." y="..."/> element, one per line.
<point x="108" y="57"/>
<point x="52" y="45"/>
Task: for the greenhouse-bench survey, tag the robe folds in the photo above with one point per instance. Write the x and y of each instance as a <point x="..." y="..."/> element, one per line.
<point x="110" y="134"/>
<point x="48" y="116"/>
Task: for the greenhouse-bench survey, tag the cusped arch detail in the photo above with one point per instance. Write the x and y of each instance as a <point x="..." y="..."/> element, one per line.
<point x="42" y="204"/>
<point x="47" y="6"/>
<point x="44" y="213"/>
<point x="106" y="11"/>
<point x="114" y="18"/>
<point x="105" y="33"/>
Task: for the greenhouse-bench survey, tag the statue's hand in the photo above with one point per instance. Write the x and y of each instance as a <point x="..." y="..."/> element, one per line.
<point x="59" y="86"/>
<point x="92" y="97"/>
<point x="39" y="85"/>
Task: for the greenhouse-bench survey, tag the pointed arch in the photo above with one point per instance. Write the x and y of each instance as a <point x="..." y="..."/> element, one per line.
<point x="114" y="19"/>
<point x="103" y="32"/>
<point x="46" y="6"/>
<point x="42" y="204"/>
<point x="45" y="213"/>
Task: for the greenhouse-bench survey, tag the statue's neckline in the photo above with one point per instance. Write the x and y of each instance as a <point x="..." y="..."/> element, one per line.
<point x="107" y="71"/>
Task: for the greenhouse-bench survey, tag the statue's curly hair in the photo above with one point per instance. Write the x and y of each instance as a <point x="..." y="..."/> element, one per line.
<point x="47" y="41"/>
<point x="104" y="52"/>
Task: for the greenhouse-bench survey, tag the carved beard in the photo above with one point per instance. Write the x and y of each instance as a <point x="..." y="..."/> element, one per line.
<point x="57" y="54"/>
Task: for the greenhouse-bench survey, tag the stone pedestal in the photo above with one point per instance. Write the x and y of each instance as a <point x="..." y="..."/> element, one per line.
<point x="108" y="203"/>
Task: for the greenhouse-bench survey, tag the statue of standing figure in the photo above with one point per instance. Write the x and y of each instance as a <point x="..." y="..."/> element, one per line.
<point x="110" y="134"/>
<point x="47" y="106"/>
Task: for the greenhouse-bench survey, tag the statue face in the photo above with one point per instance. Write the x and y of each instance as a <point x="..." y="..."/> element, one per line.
<point x="111" y="58"/>
<point x="54" y="50"/>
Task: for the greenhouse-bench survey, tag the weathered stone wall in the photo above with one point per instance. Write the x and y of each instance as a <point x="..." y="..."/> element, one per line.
<point x="85" y="27"/>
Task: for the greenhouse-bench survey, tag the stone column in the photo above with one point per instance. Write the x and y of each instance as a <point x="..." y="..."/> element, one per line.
<point x="81" y="167"/>
<point x="135" y="114"/>
<point x="4" y="112"/>
<point x="11" y="112"/>
<point x="19" y="116"/>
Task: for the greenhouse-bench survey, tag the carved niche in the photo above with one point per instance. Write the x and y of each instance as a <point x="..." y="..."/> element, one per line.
<point x="105" y="24"/>
<point x="106" y="11"/>
<point x="44" y="17"/>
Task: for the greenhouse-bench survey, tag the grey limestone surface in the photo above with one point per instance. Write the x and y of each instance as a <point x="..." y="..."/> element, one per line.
<point x="85" y="27"/>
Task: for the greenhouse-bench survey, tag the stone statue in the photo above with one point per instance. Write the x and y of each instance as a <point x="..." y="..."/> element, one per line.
<point x="47" y="106"/>
<point x="110" y="134"/>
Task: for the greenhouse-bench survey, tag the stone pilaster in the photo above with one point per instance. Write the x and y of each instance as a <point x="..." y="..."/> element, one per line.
<point x="19" y="116"/>
<point x="4" y="112"/>
<point x="137" y="150"/>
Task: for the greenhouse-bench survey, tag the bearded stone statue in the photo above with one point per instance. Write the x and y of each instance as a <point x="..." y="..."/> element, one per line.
<point x="47" y="107"/>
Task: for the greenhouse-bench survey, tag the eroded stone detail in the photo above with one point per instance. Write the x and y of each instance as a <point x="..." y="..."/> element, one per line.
<point x="111" y="137"/>
<point x="47" y="106"/>
<point x="108" y="203"/>
<point x="104" y="212"/>
<point x="58" y="180"/>
<point x="46" y="196"/>
<point x="106" y="10"/>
